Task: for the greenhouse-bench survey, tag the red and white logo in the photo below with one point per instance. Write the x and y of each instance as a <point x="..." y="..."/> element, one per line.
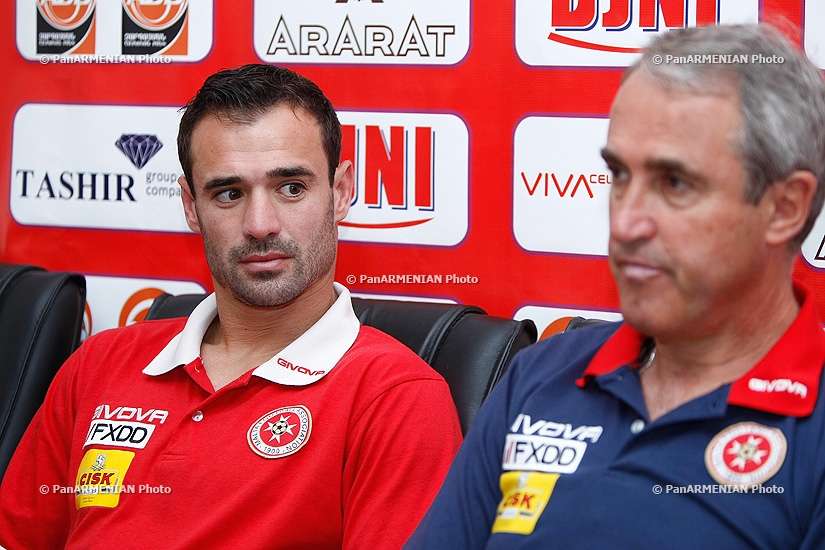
<point x="281" y="432"/>
<point x="412" y="176"/>
<point x="745" y="454"/>
<point x="610" y="34"/>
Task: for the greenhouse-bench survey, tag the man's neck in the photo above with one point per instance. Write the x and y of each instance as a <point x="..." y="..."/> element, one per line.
<point x="683" y="370"/>
<point x="243" y="337"/>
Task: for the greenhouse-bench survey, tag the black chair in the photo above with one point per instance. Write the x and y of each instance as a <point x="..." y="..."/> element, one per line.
<point x="41" y="318"/>
<point x="469" y="348"/>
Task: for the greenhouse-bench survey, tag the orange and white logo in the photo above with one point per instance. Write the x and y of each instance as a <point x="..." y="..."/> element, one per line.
<point x="121" y="301"/>
<point x="745" y="454"/>
<point x="610" y="34"/>
<point x="281" y="432"/>
<point x="412" y="176"/>
<point x="65" y="26"/>
<point x="114" y="31"/>
<point x="155" y="26"/>
<point x="551" y="320"/>
<point x="66" y="15"/>
<point x="155" y="15"/>
<point x="137" y="306"/>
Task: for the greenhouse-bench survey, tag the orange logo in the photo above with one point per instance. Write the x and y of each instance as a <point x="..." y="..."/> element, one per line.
<point x="154" y="14"/>
<point x="66" y="14"/>
<point x="137" y="306"/>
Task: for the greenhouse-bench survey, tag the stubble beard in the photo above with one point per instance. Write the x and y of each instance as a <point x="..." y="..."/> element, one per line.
<point x="266" y="289"/>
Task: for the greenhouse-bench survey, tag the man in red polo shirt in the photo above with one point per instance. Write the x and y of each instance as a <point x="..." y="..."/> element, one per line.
<point x="270" y="418"/>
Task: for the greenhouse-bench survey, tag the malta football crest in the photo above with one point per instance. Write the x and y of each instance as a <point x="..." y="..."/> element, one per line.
<point x="281" y="432"/>
<point x="745" y="454"/>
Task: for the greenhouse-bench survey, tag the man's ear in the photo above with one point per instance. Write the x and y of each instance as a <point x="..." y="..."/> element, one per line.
<point x="343" y="189"/>
<point x="188" y="205"/>
<point x="792" y="199"/>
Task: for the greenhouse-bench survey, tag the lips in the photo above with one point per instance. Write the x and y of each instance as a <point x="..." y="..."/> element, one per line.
<point x="269" y="261"/>
<point x="636" y="269"/>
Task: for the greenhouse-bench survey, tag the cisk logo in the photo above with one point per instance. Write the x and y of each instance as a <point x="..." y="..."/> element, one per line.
<point x="560" y="184"/>
<point x="404" y="32"/>
<point x="411" y="174"/>
<point x="594" y="33"/>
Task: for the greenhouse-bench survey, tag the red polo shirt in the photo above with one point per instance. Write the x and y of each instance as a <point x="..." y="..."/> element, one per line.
<point x="339" y="441"/>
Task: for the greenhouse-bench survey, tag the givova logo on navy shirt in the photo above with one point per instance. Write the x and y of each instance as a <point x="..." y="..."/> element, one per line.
<point x="546" y="446"/>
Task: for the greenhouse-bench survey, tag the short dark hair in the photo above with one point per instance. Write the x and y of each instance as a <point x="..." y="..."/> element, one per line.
<point x="244" y="93"/>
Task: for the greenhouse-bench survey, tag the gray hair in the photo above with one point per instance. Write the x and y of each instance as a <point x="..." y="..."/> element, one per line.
<point x="781" y="98"/>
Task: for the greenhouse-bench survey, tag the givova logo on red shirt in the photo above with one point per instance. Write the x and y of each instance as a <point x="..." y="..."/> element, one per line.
<point x="593" y="33"/>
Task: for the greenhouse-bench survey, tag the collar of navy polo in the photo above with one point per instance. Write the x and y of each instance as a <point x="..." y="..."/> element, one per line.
<point x="785" y="381"/>
<point x="305" y="361"/>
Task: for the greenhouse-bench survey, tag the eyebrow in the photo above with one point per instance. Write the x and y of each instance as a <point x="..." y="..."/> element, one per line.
<point x="659" y="165"/>
<point x="280" y="172"/>
<point x="217" y="183"/>
<point x="290" y="172"/>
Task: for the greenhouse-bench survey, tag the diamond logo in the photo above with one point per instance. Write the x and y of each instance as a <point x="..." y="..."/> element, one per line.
<point x="140" y="148"/>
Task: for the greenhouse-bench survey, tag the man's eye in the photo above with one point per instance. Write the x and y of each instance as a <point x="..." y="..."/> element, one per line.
<point x="677" y="183"/>
<point x="619" y="174"/>
<point x="228" y="195"/>
<point x="292" y="189"/>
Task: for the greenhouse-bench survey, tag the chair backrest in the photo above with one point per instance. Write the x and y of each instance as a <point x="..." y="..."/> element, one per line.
<point x="469" y="348"/>
<point x="41" y="318"/>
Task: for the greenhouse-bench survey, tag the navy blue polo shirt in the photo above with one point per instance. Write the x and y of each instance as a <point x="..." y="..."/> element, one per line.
<point x="563" y="455"/>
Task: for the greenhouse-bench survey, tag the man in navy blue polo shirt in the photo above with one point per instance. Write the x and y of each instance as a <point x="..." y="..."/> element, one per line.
<point x="697" y="422"/>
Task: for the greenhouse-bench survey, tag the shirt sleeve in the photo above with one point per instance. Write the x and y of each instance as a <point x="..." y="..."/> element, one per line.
<point x="462" y="514"/>
<point x="399" y="452"/>
<point x="36" y="495"/>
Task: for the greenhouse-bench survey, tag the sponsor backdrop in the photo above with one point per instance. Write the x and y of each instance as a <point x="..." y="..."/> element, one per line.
<point x="474" y="127"/>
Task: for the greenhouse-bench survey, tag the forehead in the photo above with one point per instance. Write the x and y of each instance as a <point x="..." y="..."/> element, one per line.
<point x="646" y="112"/>
<point x="281" y="135"/>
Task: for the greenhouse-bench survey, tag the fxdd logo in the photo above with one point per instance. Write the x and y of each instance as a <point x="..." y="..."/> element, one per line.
<point x="594" y="33"/>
